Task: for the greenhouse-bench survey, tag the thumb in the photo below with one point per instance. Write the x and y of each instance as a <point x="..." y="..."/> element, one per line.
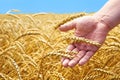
<point x="67" y="26"/>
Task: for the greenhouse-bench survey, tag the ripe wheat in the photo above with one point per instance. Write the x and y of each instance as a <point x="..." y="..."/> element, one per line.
<point x="31" y="50"/>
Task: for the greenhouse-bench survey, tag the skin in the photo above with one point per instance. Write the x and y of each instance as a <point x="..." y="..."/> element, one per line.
<point x="95" y="28"/>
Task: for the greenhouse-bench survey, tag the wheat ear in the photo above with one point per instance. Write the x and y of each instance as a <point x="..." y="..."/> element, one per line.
<point x="16" y="66"/>
<point x="57" y="74"/>
<point x="23" y="35"/>
<point x="4" y="76"/>
<point x="75" y="39"/>
<point x="104" y="71"/>
<point x="92" y="77"/>
<point x="62" y="53"/>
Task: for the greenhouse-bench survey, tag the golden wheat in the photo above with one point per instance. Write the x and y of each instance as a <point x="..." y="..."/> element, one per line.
<point x="31" y="50"/>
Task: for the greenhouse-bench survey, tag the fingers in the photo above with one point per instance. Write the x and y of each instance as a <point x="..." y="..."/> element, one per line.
<point x="67" y="26"/>
<point x="85" y="52"/>
<point x="81" y="58"/>
<point x="75" y="60"/>
<point x="86" y="57"/>
<point x="69" y="48"/>
<point x="64" y="60"/>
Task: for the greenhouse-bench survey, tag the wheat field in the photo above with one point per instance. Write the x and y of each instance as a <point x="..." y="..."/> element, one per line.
<point x="31" y="47"/>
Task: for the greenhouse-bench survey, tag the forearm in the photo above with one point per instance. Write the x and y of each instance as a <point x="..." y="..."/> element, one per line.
<point x="110" y="13"/>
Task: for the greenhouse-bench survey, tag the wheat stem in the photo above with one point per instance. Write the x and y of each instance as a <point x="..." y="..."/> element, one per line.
<point x="69" y="19"/>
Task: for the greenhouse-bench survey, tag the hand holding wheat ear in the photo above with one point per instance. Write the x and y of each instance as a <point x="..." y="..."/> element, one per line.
<point x="87" y="27"/>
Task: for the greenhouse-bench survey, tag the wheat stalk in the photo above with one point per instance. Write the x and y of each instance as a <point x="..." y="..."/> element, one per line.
<point x="7" y="49"/>
<point x="68" y="19"/>
<point x="41" y="13"/>
<point x="34" y="63"/>
<point x="30" y="17"/>
<point x="20" y="46"/>
<point x="13" y="15"/>
<point x="16" y="66"/>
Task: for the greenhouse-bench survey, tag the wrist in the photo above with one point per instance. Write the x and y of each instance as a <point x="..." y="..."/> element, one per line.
<point x="104" y="19"/>
<point x="109" y="13"/>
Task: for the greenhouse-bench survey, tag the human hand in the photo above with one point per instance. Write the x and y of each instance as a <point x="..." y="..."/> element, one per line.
<point x="87" y="27"/>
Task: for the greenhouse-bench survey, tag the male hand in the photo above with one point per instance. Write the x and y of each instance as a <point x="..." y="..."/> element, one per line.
<point x="87" y="27"/>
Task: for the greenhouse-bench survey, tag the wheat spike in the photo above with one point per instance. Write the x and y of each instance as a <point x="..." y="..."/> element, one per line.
<point x="92" y="77"/>
<point x="116" y="44"/>
<point x="4" y="76"/>
<point x="75" y="39"/>
<point x="116" y="39"/>
<point x="23" y="35"/>
<point x="104" y="71"/>
<point x="62" y="53"/>
<point x="115" y="77"/>
<point x="57" y="74"/>
<point x="15" y="65"/>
